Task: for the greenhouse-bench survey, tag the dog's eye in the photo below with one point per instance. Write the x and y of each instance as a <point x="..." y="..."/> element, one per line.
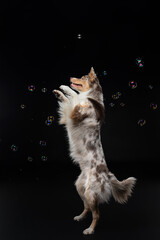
<point x="85" y="77"/>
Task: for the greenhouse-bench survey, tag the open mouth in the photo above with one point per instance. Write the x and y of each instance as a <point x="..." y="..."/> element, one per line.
<point x="75" y="85"/>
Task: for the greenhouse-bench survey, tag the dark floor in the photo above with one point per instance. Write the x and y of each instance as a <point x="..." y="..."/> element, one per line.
<point x="40" y="204"/>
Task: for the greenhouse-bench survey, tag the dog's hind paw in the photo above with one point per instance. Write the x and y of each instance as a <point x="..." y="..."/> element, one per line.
<point x="88" y="231"/>
<point x="78" y="218"/>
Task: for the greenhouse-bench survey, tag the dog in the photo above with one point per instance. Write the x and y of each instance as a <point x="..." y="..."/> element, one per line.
<point x="81" y="110"/>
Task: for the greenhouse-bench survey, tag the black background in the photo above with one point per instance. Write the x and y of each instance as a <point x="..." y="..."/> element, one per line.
<point x="39" y="46"/>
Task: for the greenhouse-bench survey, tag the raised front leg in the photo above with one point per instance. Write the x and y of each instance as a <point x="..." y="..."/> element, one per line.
<point x="60" y="96"/>
<point x="80" y="112"/>
<point x="63" y="103"/>
<point x="68" y="90"/>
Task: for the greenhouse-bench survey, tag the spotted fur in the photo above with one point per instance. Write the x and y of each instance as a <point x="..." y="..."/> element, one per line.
<point x="82" y="114"/>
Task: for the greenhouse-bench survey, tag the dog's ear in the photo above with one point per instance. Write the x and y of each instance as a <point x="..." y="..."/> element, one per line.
<point x="92" y="74"/>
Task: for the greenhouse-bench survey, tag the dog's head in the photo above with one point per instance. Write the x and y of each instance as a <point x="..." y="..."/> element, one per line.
<point x="85" y="83"/>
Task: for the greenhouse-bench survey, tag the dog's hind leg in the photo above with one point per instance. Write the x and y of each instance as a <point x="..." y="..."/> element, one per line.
<point x="81" y="190"/>
<point x="84" y="213"/>
<point x="93" y="204"/>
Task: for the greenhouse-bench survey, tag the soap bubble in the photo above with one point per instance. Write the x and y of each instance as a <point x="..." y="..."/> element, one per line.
<point x="44" y="158"/>
<point x="30" y="159"/>
<point x="23" y="106"/>
<point x="14" y="148"/>
<point x="44" y="90"/>
<point x="150" y="87"/>
<point x="43" y="143"/>
<point x="122" y="104"/>
<point x="141" y="65"/>
<point x="132" y="84"/>
<point x="139" y="62"/>
<point x="116" y="95"/>
<point x="31" y="88"/>
<point x="153" y="106"/>
<point x="104" y="73"/>
<point x="79" y="36"/>
<point x="49" y="120"/>
<point x="141" y="122"/>
<point x="111" y="104"/>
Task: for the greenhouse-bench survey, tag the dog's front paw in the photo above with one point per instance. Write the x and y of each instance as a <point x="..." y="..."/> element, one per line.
<point x="67" y="90"/>
<point x="64" y="88"/>
<point x="60" y="95"/>
<point x="57" y="93"/>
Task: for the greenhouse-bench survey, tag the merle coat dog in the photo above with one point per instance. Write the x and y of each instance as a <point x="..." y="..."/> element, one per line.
<point x="82" y="112"/>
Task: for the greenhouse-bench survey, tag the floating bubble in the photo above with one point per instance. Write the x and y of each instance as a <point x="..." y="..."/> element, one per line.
<point x="23" y="106"/>
<point x="153" y="106"/>
<point x="44" y="90"/>
<point x="141" y="122"/>
<point x="139" y="62"/>
<point x="30" y="159"/>
<point x="116" y="95"/>
<point x="31" y="88"/>
<point x="14" y="148"/>
<point x="79" y="36"/>
<point x="48" y="122"/>
<point x="44" y="158"/>
<point x="111" y="104"/>
<point x="122" y="104"/>
<point x="50" y="118"/>
<point x="104" y="73"/>
<point x="43" y="143"/>
<point x="150" y="86"/>
<point x="141" y="65"/>
<point x="132" y="84"/>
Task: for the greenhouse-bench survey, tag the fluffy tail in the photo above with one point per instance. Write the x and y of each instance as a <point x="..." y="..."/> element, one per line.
<point x="121" y="190"/>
